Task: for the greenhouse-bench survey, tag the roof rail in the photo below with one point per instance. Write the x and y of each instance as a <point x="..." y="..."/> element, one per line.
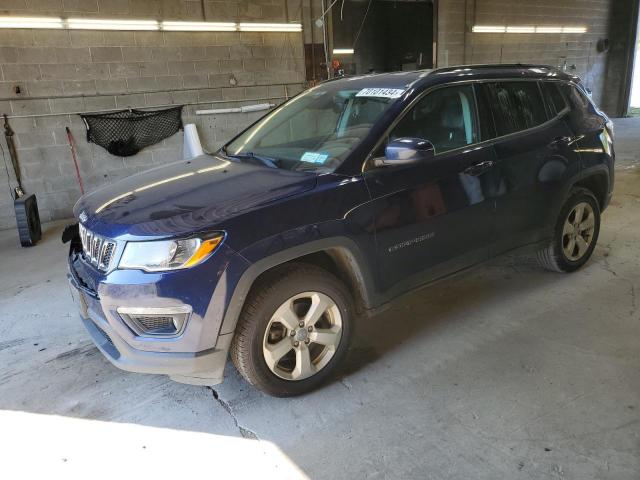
<point x="337" y="77"/>
<point x="496" y="65"/>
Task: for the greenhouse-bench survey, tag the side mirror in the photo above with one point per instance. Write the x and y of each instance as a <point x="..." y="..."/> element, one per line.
<point x="406" y="151"/>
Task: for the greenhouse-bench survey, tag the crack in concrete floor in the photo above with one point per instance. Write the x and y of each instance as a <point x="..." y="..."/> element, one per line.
<point x="245" y="432"/>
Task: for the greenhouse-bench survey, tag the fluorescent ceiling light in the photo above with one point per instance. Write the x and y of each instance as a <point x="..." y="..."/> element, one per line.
<point x="548" y="29"/>
<point x="526" y="29"/>
<point x="521" y="29"/>
<point x="489" y="29"/>
<point x="103" y="24"/>
<point x="343" y="51"/>
<point x="30" y="22"/>
<point x="574" y="29"/>
<point x="116" y="24"/>
<point x="270" y="27"/>
<point x="199" y="26"/>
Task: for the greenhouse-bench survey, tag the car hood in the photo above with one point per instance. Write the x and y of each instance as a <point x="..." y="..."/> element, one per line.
<point x="186" y="197"/>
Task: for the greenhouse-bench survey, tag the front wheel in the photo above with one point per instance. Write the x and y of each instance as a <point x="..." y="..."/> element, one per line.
<point x="576" y="233"/>
<point x="293" y="331"/>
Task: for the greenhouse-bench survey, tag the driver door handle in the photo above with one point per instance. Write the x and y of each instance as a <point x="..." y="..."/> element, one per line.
<point x="478" y="168"/>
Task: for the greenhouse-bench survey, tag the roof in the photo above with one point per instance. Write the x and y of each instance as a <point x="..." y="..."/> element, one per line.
<point x="460" y="72"/>
<point x="526" y="70"/>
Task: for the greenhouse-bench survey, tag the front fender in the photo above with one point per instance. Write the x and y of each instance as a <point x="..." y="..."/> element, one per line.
<point x="346" y="249"/>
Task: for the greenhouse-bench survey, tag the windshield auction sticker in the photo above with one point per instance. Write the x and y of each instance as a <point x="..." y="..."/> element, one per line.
<point x="314" y="157"/>
<point x="380" y="92"/>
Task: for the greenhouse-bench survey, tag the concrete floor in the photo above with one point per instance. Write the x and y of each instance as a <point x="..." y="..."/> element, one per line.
<point x="506" y="372"/>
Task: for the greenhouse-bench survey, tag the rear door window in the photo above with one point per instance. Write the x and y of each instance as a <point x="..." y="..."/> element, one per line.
<point x="516" y="106"/>
<point x="485" y="116"/>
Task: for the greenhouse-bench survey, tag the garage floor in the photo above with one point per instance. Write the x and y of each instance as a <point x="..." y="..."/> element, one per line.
<point x="505" y="372"/>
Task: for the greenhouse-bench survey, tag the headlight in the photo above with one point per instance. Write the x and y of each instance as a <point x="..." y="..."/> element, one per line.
<point x="155" y="256"/>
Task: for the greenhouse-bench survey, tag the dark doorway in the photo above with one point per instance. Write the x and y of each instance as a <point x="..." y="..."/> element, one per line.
<point x="385" y="35"/>
<point x="314" y="63"/>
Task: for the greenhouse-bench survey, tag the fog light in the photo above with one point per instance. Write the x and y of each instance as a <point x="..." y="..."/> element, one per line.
<point x="156" y="321"/>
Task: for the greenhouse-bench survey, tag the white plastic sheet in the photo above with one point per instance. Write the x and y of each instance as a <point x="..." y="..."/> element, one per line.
<point x="192" y="146"/>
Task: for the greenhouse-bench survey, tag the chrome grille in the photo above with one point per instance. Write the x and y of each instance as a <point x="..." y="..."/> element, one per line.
<point x="97" y="249"/>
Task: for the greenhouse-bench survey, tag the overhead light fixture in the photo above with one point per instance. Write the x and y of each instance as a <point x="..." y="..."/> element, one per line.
<point x="527" y="29"/>
<point x="116" y="24"/>
<point x="489" y="29"/>
<point x="199" y="26"/>
<point x="31" y="22"/>
<point x="574" y="29"/>
<point x="343" y="51"/>
<point x="548" y="29"/>
<point x="103" y="24"/>
<point x="270" y="27"/>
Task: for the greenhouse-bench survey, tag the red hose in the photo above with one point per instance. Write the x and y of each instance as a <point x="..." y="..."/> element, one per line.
<point x="72" y="145"/>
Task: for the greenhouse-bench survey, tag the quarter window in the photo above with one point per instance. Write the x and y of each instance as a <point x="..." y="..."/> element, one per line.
<point x="445" y="117"/>
<point x="554" y="98"/>
<point x="576" y="98"/>
<point x="516" y="106"/>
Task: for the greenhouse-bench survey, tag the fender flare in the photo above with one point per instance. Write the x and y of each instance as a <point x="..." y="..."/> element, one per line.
<point x="341" y="249"/>
<point x="594" y="172"/>
<point x="597" y="170"/>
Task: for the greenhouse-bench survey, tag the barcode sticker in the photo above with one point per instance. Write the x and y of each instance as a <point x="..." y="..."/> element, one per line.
<point x="380" y="92"/>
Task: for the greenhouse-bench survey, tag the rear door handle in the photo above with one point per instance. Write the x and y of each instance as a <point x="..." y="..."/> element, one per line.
<point x="478" y="168"/>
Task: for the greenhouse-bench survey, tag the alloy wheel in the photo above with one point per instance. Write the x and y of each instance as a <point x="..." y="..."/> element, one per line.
<point x="577" y="232"/>
<point x="302" y="336"/>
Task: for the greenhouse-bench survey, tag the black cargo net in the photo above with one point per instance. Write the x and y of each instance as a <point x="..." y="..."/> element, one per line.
<point x="126" y="132"/>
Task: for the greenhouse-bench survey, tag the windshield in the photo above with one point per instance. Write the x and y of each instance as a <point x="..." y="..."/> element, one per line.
<point x="314" y="131"/>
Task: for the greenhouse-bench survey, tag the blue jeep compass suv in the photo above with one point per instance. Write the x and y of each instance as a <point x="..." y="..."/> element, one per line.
<point x="346" y="196"/>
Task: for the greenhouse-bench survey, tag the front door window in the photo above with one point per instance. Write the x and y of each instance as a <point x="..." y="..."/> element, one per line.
<point x="445" y="117"/>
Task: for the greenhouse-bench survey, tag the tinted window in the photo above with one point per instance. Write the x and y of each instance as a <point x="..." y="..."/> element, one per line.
<point x="516" y="106"/>
<point x="555" y="100"/>
<point x="485" y="117"/>
<point x="576" y="98"/>
<point x="445" y="117"/>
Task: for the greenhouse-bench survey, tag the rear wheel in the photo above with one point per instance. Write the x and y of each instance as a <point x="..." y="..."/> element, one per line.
<point x="575" y="235"/>
<point x="293" y="331"/>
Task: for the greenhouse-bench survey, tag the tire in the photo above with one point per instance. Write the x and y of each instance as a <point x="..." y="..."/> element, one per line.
<point x="28" y="220"/>
<point x="266" y="325"/>
<point x="554" y="257"/>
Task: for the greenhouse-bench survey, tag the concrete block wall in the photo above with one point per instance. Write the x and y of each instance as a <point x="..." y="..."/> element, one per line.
<point x="457" y="45"/>
<point x="60" y="73"/>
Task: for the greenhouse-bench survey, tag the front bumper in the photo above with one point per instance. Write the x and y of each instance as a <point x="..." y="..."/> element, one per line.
<point x="197" y="356"/>
<point x="206" y="367"/>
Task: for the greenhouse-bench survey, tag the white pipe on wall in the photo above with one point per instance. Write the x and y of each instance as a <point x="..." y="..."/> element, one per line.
<point x="244" y="109"/>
